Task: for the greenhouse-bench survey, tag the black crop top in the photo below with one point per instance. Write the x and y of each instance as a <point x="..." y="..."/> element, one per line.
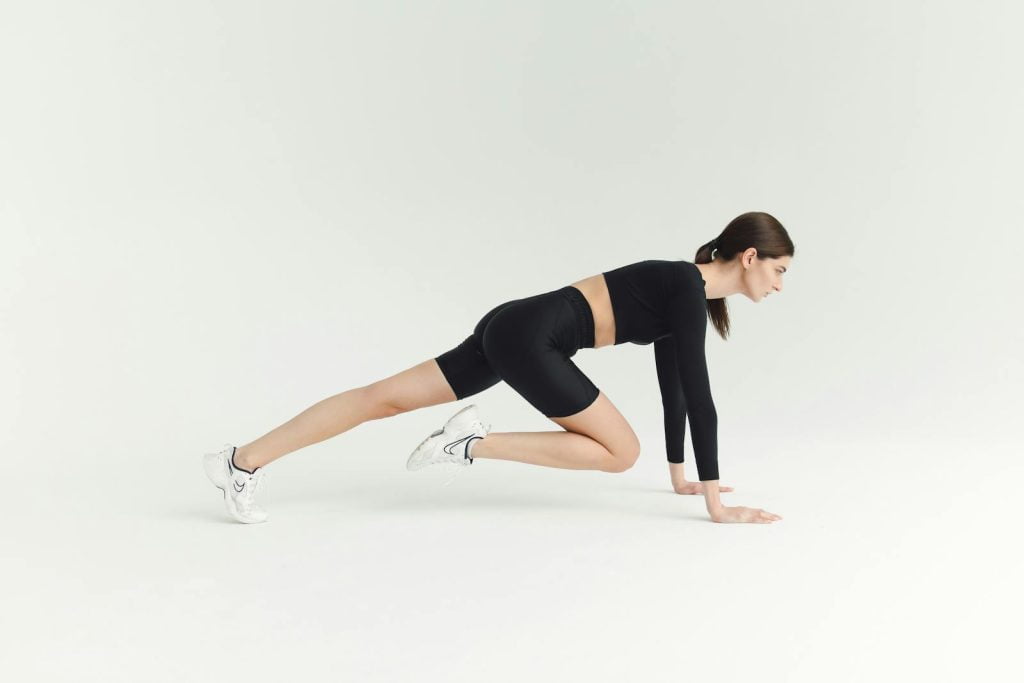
<point x="664" y="302"/>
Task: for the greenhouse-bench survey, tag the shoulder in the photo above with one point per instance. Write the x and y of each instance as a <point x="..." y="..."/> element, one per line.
<point x="687" y="280"/>
<point x="688" y="303"/>
<point x="689" y="271"/>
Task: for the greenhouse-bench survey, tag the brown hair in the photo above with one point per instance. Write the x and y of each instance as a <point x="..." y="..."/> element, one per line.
<point x="752" y="229"/>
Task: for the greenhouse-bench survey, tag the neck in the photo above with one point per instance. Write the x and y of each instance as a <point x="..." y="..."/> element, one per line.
<point x="722" y="277"/>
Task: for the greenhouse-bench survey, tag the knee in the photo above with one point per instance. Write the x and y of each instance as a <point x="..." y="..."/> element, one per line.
<point x="377" y="403"/>
<point x="623" y="460"/>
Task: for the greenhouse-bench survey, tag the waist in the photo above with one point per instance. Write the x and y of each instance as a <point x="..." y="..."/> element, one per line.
<point x="584" y="315"/>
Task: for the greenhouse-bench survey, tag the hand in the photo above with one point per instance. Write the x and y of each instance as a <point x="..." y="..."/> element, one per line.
<point x="695" y="488"/>
<point x="739" y="513"/>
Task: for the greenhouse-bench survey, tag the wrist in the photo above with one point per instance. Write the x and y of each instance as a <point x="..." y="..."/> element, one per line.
<point x="711" y="496"/>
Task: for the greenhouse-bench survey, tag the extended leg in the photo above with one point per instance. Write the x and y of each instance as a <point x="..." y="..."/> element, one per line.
<point x="419" y="386"/>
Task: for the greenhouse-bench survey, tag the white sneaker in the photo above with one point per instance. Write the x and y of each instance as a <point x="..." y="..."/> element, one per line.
<point x="450" y="443"/>
<point x="238" y="486"/>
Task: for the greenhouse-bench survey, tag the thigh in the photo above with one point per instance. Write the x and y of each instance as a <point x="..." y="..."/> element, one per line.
<point x="420" y="386"/>
<point x="465" y="369"/>
<point x="548" y="380"/>
<point x="527" y="346"/>
<point x="602" y="422"/>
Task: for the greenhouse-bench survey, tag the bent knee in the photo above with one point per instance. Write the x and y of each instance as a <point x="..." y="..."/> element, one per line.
<point x="624" y="460"/>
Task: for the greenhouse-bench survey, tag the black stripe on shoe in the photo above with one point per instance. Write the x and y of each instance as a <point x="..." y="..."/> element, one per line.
<point x="466" y="454"/>
<point x="232" y="461"/>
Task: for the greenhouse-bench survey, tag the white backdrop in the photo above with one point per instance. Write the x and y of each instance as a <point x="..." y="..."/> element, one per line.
<point x="215" y="214"/>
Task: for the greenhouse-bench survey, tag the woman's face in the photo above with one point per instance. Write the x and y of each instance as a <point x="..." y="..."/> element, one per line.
<point x="764" y="276"/>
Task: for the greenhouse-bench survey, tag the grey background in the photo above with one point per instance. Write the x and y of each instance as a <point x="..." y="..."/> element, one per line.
<point x="215" y="214"/>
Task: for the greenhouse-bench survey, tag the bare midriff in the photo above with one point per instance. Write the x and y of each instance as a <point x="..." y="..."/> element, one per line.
<point x="595" y="291"/>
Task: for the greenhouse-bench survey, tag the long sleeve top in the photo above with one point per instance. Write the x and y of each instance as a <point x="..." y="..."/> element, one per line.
<point x="664" y="302"/>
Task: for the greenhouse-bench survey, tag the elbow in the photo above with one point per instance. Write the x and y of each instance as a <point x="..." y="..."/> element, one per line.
<point x="706" y="411"/>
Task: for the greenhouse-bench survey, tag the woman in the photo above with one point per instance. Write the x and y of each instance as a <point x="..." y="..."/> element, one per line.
<point x="529" y="342"/>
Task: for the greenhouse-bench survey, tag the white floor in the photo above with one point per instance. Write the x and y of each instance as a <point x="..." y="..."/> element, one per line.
<point x="897" y="562"/>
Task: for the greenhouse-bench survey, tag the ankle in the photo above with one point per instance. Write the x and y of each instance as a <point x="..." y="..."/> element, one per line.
<point x="469" y="446"/>
<point x="242" y="462"/>
<point x="474" y="448"/>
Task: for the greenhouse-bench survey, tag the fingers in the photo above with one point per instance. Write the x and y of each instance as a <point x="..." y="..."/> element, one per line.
<point x="750" y="515"/>
<point x="760" y="516"/>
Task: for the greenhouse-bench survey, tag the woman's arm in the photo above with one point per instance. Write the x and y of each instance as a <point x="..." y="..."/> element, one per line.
<point x="673" y="402"/>
<point x="675" y="471"/>
<point x="687" y="323"/>
<point x="710" y="489"/>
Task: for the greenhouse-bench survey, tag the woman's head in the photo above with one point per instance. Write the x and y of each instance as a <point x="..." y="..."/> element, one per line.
<point x="761" y="249"/>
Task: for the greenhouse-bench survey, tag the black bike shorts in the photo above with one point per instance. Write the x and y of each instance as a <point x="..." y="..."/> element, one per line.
<point x="528" y="343"/>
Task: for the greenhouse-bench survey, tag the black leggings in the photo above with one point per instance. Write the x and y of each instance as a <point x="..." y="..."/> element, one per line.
<point x="528" y="343"/>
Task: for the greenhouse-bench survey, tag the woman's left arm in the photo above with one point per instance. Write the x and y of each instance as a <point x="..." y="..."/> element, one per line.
<point x="673" y="402"/>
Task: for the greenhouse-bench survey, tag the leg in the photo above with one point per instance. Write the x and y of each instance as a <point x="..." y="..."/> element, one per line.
<point x="419" y="386"/>
<point x="596" y="438"/>
<point x="529" y="345"/>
